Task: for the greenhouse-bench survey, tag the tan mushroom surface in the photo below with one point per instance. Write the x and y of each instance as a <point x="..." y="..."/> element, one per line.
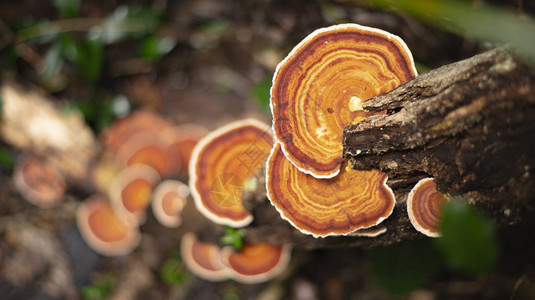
<point x="103" y="230"/>
<point x="40" y="183"/>
<point x="322" y="207"/>
<point x="168" y="200"/>
<point x="256" y="263"/>
<point x="424" y="207"/>
<point x="319" y="87"/>
<point x="221" y="164"/>
<point x="202" y="259"/>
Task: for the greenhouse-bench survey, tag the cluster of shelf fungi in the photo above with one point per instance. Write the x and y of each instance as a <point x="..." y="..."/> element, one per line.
<point x="334" y="169"/>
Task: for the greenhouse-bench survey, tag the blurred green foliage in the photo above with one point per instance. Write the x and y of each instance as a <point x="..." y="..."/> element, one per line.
<point x="231" y="293"/>
<point x="403" y="267"/>
<point x="261" y="93"/>
<point x="7" y="161"/>
<point x="154" y="47"/>
<point x="233" y="237"/>
<point x="173" y="271"/>
<point x="80" y="44"/>
<point x="468" y="243"/>
<point x="474" y="19"/>
<point x="100" y="288"/>
<point x="67" y="8"/>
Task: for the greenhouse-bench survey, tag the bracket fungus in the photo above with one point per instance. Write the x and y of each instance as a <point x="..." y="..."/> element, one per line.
<point x="152" y="148"/>
<point x="256" y="263"/>
<point x="221" y="164"/>
<point x="186" y="137"/>
<point x="202" y="259"/>
<point x="131" y="190"/>
<point x="138" y="121"/>
<point x="351" y="201"/>
<point x="424" y="207"/>
<point x="103" y="230"/>
<point x="39" y="182"/>
<point x="168" y="200"/>
<point x="318" y="89"/>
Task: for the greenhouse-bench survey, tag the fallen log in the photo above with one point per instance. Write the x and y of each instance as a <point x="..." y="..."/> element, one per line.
<point x="470" y="125"/>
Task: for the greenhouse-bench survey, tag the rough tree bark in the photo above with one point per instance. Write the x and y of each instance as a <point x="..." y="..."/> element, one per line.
<point x="470" y="125"/>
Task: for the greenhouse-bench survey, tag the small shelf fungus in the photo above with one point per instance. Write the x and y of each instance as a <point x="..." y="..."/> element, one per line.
<point x="186" y="136"/>
<point x="131" y="190"/>
<point x="152" y="148"/>
<point x="424" y="207"/>
<point x="38" y="182"/>
<point x="202" y="259"/>
<point x="351" y="201"/>
<point x="138" y="121"/>
<point x="319" y="87"/>
<point x="103" y="230"/>
<point x="168" y="200"/>
<point x="220" y="166"/>
<point x="256" y="263"/>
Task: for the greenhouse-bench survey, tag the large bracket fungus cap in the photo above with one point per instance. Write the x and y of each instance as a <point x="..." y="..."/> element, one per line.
<point x="220" y="166"/>
<point x="103" y="230"/>
<point x="317" y="90"/>
<point x="424" y="207"/>
<point x="322" y="207"/>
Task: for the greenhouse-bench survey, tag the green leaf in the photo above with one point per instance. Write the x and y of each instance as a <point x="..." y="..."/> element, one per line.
<point x="173" y="271"/>
<point x="215" y="27"/>
<point x="125" y="21"/>
<point x="404" y="267"/>
<point x="6" y="159"/>
<point x="483" y="22"/>
<point x="67" y="8"/>
<point x="468" y="241"/>
<point x="154" y="47"/>
<point x="89" y="60"/>
<point x="261" y="93"/>
<point x="100" y="288"/>
<point x="52" y="62"/>
<point x="233" y="237"/>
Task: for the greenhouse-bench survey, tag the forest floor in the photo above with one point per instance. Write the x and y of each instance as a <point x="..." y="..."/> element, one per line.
<point x="218" y="71"/>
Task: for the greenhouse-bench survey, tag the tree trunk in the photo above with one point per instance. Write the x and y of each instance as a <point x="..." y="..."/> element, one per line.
<point x="470" y="125"/>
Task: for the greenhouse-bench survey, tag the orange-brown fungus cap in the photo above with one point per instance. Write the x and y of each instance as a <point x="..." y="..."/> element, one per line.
<point x="123" y="129"/>
<point x="322" y="207"/>
<point x="186" y="137"/>
<point x="424" y="207"/>
<point x="317" y="90"/>
<point x="256" y="262"/>
<point x="131" y="192"/>
<point x="220" y="165"/>
<point x="103" y="230"/>
<point x="39" y="182"/>
<point x="170" y="197"/>
<point x="202" y="259"/>
<point x="152" y="148"/>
